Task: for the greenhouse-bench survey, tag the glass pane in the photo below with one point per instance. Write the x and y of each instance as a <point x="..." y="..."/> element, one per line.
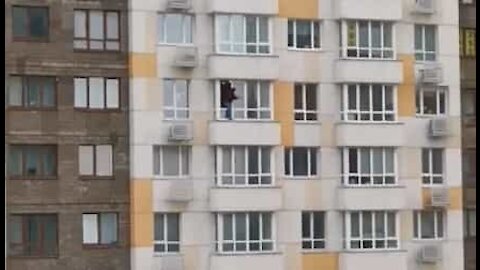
<point x="472" y="222"/>
<point x="352" y="97"/>
<point x="389" y="160"/>
<point x="304" y="34"/>
<point x="290" y="33"/>
<point x="96" y="26"/>
<point x="352" y="34"/>
<point x="223" y="23"/>
<point x="387" y="36"/>
<point x="427" y="224"/>
<point x="227" y="227"/>
<point x="429" y="102"/>
<point x="263" y="29"/>
<point x="298" y="96"/>
<point x="300" y="161"/>
<point x="265" y="155"/>
<point x="377" y="98"/>
<point x="50" y="235"/>
<point x="174" y="28"/>
<point x="316" y="35"/>
<point x="188" y="28"/>
<point x="306" y="225"/>
<point x="159" y="227"/>
<point x="313" y="161"/>
<point x="48" y="92"/>
<point x="426" y="161"/>
<point x="112" y="25"/>
<point x="185" y="160"/>
<point x="367" y="224"/>
<point x="109" y="228"/>
<point x="38" y="22"/>
<point x="15" y="91"/>
<point x="49" y="162"/>
<point x="15" y="230"/>
<point x="104" y="160"/>
<point x="442" y="105"/>
<point x="90" y="229"/>
<point x="251" y="29"/>
<point x="160" y="28"/>
<point x="80" y="85"/>
<point x="34" y="87"/>
<point x="19" y="21"/>
<point x="364" y="97"/>
<point x="252" y="101"/>
<point x="311" y="97"/>
<point x="80" y="30"/>
<point x="97" y="93"/>
<point x="173" y="226"/>
<point x="168" y="93"/>
<point x="437" y="161"/>
<point x="253" y="160"/>
<point x="352" y="160"/>
<point x="365" y="161"/>
<point x="15" y="161"/>
<point x="418" y="37"/>
<point x="241" y="227"/>
<point x="265" y="95"/>
<point x="440" y="224"/>
<point x="388" y="98"/>
<point x="430" y="38"/>
<point x="254" y="226"/>
<point x="376" y="35"/>
<point x="267" y="226"/>
<point x="318" y="226"/>
<point x="181" y="94"/>
<point x="287" y="152"/>
<point x="363" y="33"/>
<point x="379" y="225"/>
<point x="415" y="224"/>
<point x="377" y="161"/>
<point x="227" y="160"/>
<point x="238" y="32"/>
<point x="354" y="225"/>
<point x="170" y="161"/>
<point x="113" y="89"/>
<point x="32" y="160"/>
<point x="239" y="160"/>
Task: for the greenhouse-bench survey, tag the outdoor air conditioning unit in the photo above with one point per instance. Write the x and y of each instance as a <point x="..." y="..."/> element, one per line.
<point x="439" y="197"/>
<point x="180" y="132"/>
<point x="186" y="57"/>
<point x="438" y="127"/>
<point x="431" y="74"/>
<point x="424" y="6"/>
<point x="429" y="254"/>
<point x="178" y="4"/>
<point x="180" y="191"/>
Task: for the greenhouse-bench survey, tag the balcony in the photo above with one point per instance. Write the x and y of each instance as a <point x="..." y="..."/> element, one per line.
<point x="244" y="133"/>
<point x="246" y="261"/>
<point x="246" y="67"/>
<point x="379" y="198"/>
<point x="375" y="260"/>
<point x="368" y="71"/>
<point x="245" y="199"/>
<point x="386" y="10"/>
<point x="264" y="7"/>
<point x="370" y="134"/>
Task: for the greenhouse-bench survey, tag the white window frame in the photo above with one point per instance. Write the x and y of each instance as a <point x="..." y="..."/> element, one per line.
<point x="359" y="175"/>
<point x="304" y="111"/>
<point x="358" y="113"/>
<point x="105" y="81"/>
<point x="176" y="109"/>
<point x="260" y="151"/>
<point x="241" y="93"/>
<point x="84" y="42"/>
<point x="98" y="216"/>
<point x="312" y="240"/>
<point x="438" y="216"/>
<point x="165" y="243"/>
<point x="311" y="152"/>
<point x="94" y="159"/>
<point x="181" y="149"/>
<point x="247" y="242"/>
<point x="423" y="52"/>
<point x="429" y="174"/>
<point x="244" y="43"/>
<point x="420" y="110"/>
<point x="348" y="231"/>
<point x="383" y="49"/>
<point x="312" y="38"/>
<point x="187" y="38"/>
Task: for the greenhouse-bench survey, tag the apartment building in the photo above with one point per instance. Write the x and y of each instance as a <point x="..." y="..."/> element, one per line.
<point x="66" y="139"/>
<point x="342" y="149"/>
<point x="469" y="148"/>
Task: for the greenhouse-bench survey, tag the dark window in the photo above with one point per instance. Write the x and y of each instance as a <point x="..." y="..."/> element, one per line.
<point x="31" y="92"/>
<point x="313" y="230"/>
<point x="30" y="22"/>
<point x="470" y="222"/>
<point x="301" y="161"/>
<point x="32" y="161"/>
<point x="33" y="235"/>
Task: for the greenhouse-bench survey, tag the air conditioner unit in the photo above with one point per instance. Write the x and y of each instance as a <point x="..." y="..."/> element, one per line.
<point x="180" y="191"/>
<point x="186" y="57"/>
<point x="431" y="74"/>
<point x="179" y="4"/>
<point x="429" y="254"/>
<point x="438" y="127"/>
<point x="424" y="6"/>
<point x="180" y="132"/>
<point x="439" y="197"/>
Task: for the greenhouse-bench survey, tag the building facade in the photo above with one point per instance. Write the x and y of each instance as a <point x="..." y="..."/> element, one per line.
<point x="66" y="136"/>
<point x="469" y="147"/>
<point x="342" y="149"/>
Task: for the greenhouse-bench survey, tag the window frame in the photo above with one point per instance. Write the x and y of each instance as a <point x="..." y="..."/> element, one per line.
<point x="383" y="49"/>
<point x="105" y="108"/>
<point x="428" y="172"/>
<point x="43" y="148"/>
<point x="161" y="22"/>
<point x="221" y="241"/>
<point x="362" y="240"/>
<point x="180" y="150"/>
<point x="312" y="156"/>
<point x="29" y="38"/>
<point x="94" y="161"/>
<point x="312" y="240"/>
<point x="417" y="225"/>
<point x="294" y="46"/>
<point x="99" y="230"/>
<point x="420" y="101"/>
<point x="304" y="112"/>
<point x="25" y="85"/>
<point x="220" y="175"/>
<point x="346" y="112"/>
<point x="176" y="109"/>
<point x="105" y="39"/>
<point x="165" y="243"/>
<point x="346" y="175"/>
<point x="423" y="51"/>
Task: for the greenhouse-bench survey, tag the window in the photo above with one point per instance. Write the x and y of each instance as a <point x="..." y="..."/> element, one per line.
<point x="369" y="102"/>
<point x="33" y="235"/>
<point x="244" y="166"/>
<point x="369" y="166"/>
<point x="367" y="39"/>
<point x="428" y="224"/>
<point x="254" y="101"/>
<point x="470" y="165"/>
<point x="30" y="23"/>
<point x="372" y="230"/>
<point x="240" y="34"/>
<point x="175" y="98"/>
<point x="97" y="30"/>
<point x="468" y="42"/>
<point x="305" y="102"/>
<point x="432" y="166"/>
<point x="32" y="92"/>
<point x="100" y="229"/>
<point x="245" y="232"/>
<point x="32" y="161"/>
<point x="167" y="233"/>
<point x="431" y="101"/>
<point x="425" y="43"/>
<point x="313" y="230"/>
<point x="171" y="161"/>
<point x="95" y="160"/>
<point x="174" y="29"/>
<point x="300" y="161"/>
<point x="97" y="93"/>
<point x="469" y="103"/>
<point x="470" y="222"/>
<point x="303" y="34"/>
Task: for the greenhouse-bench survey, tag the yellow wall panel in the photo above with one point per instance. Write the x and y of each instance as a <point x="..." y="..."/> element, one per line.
<point x="324" y="261"/>
<point x="406" y="90"/>
<point x="283" y="112"/>
<point x="454" y="196"/>
<point x="141" y="213"/>
<point x="143" y="65"/>
<point x="301" y="9"/>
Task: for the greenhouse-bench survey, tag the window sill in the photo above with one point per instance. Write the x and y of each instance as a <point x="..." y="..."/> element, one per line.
<point x="31" y="109"/>
<point x="170" y="178"/>
<point x="315" y="251"/>
<point x="177" y="120"/>
<point x="431" y="240"/>
<point x="262" y="253"/>
<point x="379" y="123"/>
<point x="359" y="251"/>
<point x="273" y="186"/>
<point x="96" y="178"/>
<point x="301" y="178"/>
<point x="173" y="45"/>
<point x="430" y="116"/>
<point x="267" y="55"/>
<point x="369" y="59"/>
<point x="316" y="50"/>
<point x="87" y="110"/>
<point x="307" y="122"/>
<point x="247" y="120"/>
<point x="33" y="178"/>
<point x="167" y="254"/>
<point x="394" y="186"/>
<point x="100" y="246"/>
<point x="96" y="51"/>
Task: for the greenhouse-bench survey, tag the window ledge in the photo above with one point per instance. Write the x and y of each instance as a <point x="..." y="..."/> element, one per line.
<point x="301" y="178"/>
<point x="31" y="109"/>
<point x="246" y="121"/>
<point x="97" y="51"/>
<point x="100" y="246"/>
<point x="87" y="110"/>
<point x="316" y="50"/>
<point x="373" y="187"/>
<point x="247" y="187"/>
<point x="376" y="123"/>
<point x="264" y="253"/>
<point x="369" y="59"/>
<point x="186" y="120"/>
<point x="32" y="178"/>
<point x="171" y="178"/>
<point x="430" y="116"/>
<point x="430" y="240"/>
<point x="315" y="251"/>
<point x="306" y="123"/>
<point x="95" y="178"/>
<point x="360" y="251"/>
<point x="163" y="255"/>
<point x="245" y="55"/>
<point x="174" y="45"/>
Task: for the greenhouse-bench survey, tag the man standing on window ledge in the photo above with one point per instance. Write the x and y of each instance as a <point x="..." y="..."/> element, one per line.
<point x="227" y="97"/>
